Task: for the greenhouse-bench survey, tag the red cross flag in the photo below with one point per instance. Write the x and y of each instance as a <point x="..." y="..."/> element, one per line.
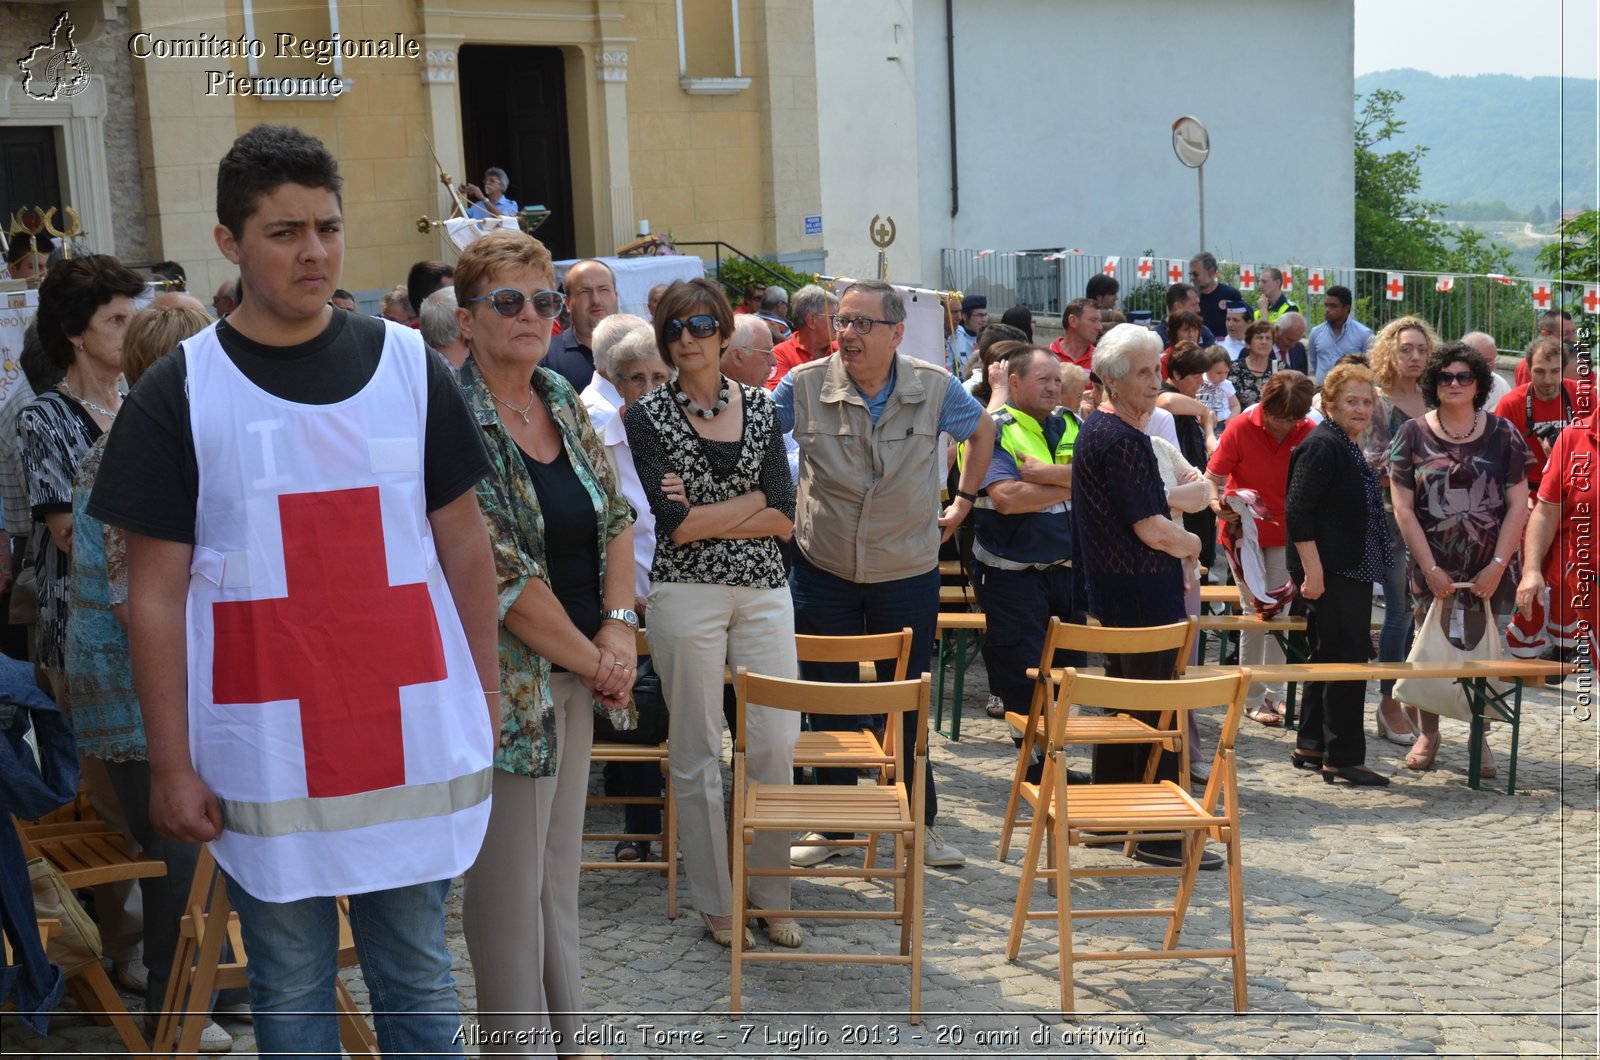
<point x="1396" y="287"/>
<point x="1288" y="277"/>
<point x="1315" y="282"/>
<point x="1146" y="267"/>
<point x="1541" y="296"/>
<point x="1591" y="298"/>
<point x="1247" y="279"/>
<point x="1503" y="280"/>
<point x="1175" y="272"/>
<point x="1110" y="267"/>
<point x="1444" y="284"/>
<point x="1056" y="256"/>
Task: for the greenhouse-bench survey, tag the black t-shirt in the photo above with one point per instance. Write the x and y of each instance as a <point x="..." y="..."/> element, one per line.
<point x="149" y="478"/>
<point x="1212" y="311"/>
<point x="571" y="541"/>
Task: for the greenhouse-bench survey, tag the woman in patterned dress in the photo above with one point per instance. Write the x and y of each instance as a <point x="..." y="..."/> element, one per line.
<point x="1255" y="365"/>
<point x="1459" y="479"/>
<point x="562" y="537"/>
<point x="711" y="459"/>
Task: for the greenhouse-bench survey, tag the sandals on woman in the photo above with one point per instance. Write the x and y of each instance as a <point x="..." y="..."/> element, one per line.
<point x="785" y="933"/>
<point x="723" y="936"/>
<point x="1267" y="714"/>
<point x="1423" y="759"/>
<point x="1395" y="725"/>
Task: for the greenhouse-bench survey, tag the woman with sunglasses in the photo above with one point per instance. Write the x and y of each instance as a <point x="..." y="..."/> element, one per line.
<point x="711" y="458"/>
<point x="563" y="548"/>
<point x="1459" y="480"/>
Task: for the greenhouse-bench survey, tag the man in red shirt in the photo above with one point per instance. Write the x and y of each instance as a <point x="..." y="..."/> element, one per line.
<point x="1555" y="323"/>
<point x="811" y="309"/>
<point x="1559" y="544"/>
<point x="1080" y="322"/>
<point x="1542" y="407"/>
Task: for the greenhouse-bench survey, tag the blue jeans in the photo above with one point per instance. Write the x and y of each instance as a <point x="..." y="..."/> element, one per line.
<point x="826" y="605"/>
<point x="1394" y="638"/>
<point x="399" y="936"/>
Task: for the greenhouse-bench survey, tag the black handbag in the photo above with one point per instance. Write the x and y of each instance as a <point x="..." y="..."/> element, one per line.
<point x="651" y="707"/>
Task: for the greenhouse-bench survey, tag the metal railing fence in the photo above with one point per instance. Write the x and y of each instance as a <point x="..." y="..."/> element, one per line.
<point x="1506" y="307"/>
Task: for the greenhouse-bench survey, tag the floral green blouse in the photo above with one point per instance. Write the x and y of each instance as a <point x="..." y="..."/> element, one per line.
<point x="527" y="744"/>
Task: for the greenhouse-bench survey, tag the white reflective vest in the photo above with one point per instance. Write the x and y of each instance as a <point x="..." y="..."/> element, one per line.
<point x="334" y="707"/>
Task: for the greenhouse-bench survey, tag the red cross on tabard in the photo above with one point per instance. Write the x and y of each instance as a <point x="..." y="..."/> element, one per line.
<point x="342" y="642"/>
<point x="1247" y="279"/>
<point x="1396" y="287"/>
<point x="1144" y="268"/>
<point x="1315" y="283"/>
<point x="1174" y="273"/>
<point x="1541" y="296"/>
<point x="1591" y="299"/>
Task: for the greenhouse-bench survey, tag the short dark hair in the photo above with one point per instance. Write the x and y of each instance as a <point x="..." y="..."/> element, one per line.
<point x="265" y="158"/>
<point x="1187" y="359"/>
<point x="1075" y="308"/>
<point x="987" y="351"/>
<point x="1260" y="327"/>
<point x="1546" y="345"/>
<point x="1178" y="292"/>
<point x="1100" y="284"/>
<point x="684" y="298"/>
<point x="1019" y="357"/>
<point x="340" y="292"/>
<point x="72" y="292"/>
<point x="425" y="278"/>
<point x="169" y="270"/>
<point x="1287" y="395"/>
<point x="1342" y="293"/>
<point x="1216" y="355"/>
<point x="21" y="248"/>
<point x="1019" y="317"/>
<point x="1183" y="318"/>
<point x="1446" y="355"/>
<point x="40" y="369"/>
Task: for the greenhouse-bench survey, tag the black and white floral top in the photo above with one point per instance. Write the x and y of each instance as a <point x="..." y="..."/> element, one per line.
<point x="54" y="433"/>
<point x="663" y="442"/>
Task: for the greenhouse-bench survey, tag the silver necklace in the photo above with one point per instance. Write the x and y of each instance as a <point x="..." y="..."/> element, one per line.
<point x="689" y="403"/>
<point x="523" y="411"/>
<point x="1464" y="435"/>
<point x="109" y="414"/>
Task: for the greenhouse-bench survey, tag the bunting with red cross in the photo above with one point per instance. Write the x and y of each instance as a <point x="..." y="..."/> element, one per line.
<point x="1247" y="278"/>
<point x="1395" y="287"/>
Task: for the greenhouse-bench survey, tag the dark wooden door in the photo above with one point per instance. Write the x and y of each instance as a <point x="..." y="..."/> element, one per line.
<point x="28" y="172"/>
<point x="514" y="115"/>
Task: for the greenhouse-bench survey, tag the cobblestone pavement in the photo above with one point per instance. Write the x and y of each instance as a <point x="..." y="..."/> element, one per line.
<point x="1424" y="918"/>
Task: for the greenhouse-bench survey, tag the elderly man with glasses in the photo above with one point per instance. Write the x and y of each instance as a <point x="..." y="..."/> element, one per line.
<point x="812" y="337"/>
<point x="867" y="419"/>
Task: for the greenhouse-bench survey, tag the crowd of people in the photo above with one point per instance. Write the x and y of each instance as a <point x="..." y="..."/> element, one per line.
<point x="481" y="495"/>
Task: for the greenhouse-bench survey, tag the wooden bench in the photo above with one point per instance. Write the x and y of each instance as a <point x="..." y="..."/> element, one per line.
<point x="1474" y="676"/>
<point x="953" y="630"/>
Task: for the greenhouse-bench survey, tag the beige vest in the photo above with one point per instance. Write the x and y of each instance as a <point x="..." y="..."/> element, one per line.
<point x="868" y="507"/>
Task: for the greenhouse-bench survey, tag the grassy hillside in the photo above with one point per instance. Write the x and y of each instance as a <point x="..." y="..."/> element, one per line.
<point x="1499" y="137"/>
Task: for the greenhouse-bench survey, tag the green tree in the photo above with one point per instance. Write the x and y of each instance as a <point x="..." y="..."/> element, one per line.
<point x="1575" y="255"/>
<point x="1395" y="227"/>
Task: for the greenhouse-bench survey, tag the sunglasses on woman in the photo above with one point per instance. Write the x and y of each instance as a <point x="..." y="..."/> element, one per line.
<point x="701" y="326"/>
<point x="1457" y="378"/>
<point x="508" y="302"/>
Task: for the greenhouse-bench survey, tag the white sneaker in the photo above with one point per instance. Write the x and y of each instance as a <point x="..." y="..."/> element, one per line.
<point x="131" y="976"/>
<point x="938" y="853"/>
<point x="213" y="1039"/>
<point x="812" y="850"/>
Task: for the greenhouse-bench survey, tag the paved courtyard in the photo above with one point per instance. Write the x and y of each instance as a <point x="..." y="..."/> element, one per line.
<point x="1420" y="919"/>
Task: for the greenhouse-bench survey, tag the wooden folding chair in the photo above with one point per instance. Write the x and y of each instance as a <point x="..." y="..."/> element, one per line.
<point x="667" y="838"/>
<point x="1094" y="729"/>
<point x="198" y="969"/>
<point x="1159" y="810"/>
<point x="87" y="855"/>
<point x="93" y="990"/>
<point x="882" y="808"/>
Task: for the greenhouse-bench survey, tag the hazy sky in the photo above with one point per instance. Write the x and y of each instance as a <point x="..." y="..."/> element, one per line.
<point x="1448" y="37"/>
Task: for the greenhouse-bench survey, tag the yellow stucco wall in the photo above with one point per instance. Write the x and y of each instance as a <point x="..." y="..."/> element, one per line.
<point x="740" y="167"/>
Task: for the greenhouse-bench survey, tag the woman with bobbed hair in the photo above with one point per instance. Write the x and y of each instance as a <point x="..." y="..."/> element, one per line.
<point x="562" y="539"/>
<point x="1399" y="354"/>
<point x="1254" y="455"/>
<point x="85" y="305"/>
<point x="1334" y="514"/>
<point x="105" y="711"/>
<point x="712" y="461"/>
<point x="1459" y="479"/>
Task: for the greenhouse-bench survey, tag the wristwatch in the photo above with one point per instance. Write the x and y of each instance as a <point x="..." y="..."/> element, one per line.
<point x="624" y="615"/>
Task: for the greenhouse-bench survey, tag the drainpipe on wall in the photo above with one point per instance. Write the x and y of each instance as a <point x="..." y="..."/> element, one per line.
<point x="950" y="82"/>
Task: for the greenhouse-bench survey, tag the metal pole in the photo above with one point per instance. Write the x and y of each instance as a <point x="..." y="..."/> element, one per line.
<point x="1201" y="171"/>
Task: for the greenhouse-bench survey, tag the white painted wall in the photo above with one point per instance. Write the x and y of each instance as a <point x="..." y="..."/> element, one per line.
<point x="1064" y="111"/>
